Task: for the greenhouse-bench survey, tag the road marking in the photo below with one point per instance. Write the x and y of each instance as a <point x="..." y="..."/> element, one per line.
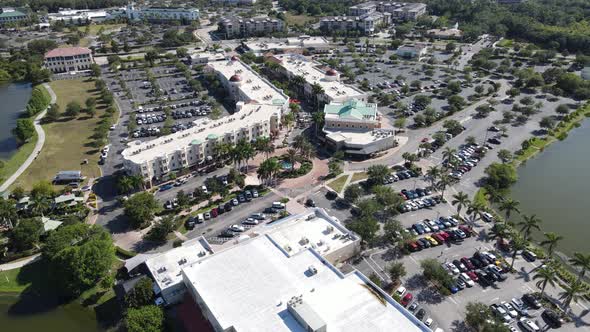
<point x="372" y="268"/>
<point x="465" y="120"/>
<point x="453" y="300"/>
<point x="494" y="299"/>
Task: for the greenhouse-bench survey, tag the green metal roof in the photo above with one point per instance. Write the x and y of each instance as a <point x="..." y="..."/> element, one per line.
<point x="196" y="142"/>
<point x="212" y="136"/>
<point x="353" y="109"/>
<point x="15" y="13"/>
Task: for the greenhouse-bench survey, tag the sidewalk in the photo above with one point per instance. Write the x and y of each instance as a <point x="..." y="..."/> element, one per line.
<point x="19" y="263"/>
<point x="38" y="146"/>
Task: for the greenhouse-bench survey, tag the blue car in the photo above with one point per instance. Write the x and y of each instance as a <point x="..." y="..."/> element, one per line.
<point x="453" y="289"/>
<point x="166" y="187"/>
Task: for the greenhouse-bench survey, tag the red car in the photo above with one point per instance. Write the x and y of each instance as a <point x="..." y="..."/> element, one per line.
<point x="444" y="235"/>
<point x="467" y="263"/>
<point x="439" y="238"/>
<point x="214" y="213"/>
<point x="465" y="229"/>
<point x="407" y="299"/>
<point x="472" y="275"/>
<point x="413" y="246"/>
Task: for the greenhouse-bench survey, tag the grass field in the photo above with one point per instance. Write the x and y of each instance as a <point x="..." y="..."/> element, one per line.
<point x="66" y="142"/>
<point x="338" y="184"/>
<point x="298" y="19"/>
<point x="95" y="28"/>
<point x="505" y="43"/>
<point x="17" y="280"/>
<point x="359" y="176"/>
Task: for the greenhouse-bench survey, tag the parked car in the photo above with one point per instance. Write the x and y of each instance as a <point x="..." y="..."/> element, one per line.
<point x="528" y="325"/>
<point x="531" y="301"/>
<point x="420" y="314"/>
<point x="406" y="299"/>
<point x="552" y="318"/>
<point x="529" y="255"/>
<point x="237" y="228"/>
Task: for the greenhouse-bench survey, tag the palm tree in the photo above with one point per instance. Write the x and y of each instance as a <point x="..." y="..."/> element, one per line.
<point x="236" y="156"/>
<point x="550" y="242"/>
<point x="546" y="276"/>
<point x="299" y="142"/>
<point x="518" y="243"/>
<point x="125" y="184"/>
<point x="460" y="200"/>
<point x="443" y="182"/>
<point x="318" y="120"/>
<point x="573" y="292"/>
<point x="432" y="174"/>
<point x="529" y="224"/>
<point x="292" y="157"/>
<point x="288" y="120"/>
<point x="509" y="206"/>
<point x="264" y="144"/>
<point x="317" y="90"/>
<point x="581" y="261"/>
<point x="475" y="210"/>
<point x="449" y="154"/>
<point x="40" y="204"/>
<point x="500" y="230"/>
<point x="298" y="82"/>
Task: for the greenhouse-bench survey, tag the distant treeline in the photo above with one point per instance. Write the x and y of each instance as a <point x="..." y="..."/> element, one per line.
<point x="55" y="5"/>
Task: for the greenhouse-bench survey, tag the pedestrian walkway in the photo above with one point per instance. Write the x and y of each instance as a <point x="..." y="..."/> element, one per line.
<point x="38" y="146"/>
<point x="20" y="263"/>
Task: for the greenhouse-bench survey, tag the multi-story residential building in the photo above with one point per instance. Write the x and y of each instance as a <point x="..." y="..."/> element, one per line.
<point x="10" y="15"/>
<point x="161" y="13"/>
<point x="238" y="27"/>
<point x="402" y="10"/>
<point x="314" y="74"/>
<point x="68" y="59"/>
<point x="354" y="127"/>
<point x="259" y="108"/>
<point x="367" y="23"/>
<point x="362" y="8"/>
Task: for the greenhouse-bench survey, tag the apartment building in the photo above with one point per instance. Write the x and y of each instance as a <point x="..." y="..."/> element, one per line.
<point x="68" y="59"/>
<point x="402" y="10"/>
<point x="161" y="13"/>
<point x="234" y="2"/>
<point x="315" y="74"/>
<point x="238" y="27"/>
<point x="10" y="15"/>
<point x="366" y="23"/>
<point x="259" y="107"/>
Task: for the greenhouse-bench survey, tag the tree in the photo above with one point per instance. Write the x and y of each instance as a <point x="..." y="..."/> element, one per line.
<point x="182" y="199"/>
<point x="141" y="295"/>
<point x="508" y="206"/>
<point x="366" y="227"/>
<point x="450" y="47"/>
<point x="181" y="52"/>
<point x="140" y="208"/>
<point x="27" y="233"/>
<point x="388" y="198"/>
<point x="529" y="224"/>
<point x="547" y="123"/>
<point x="475" y="209"/>
<point x="562" y="109"/>
<point x="443" y="182"/>
<point x="518" y="243"/>
<point x="25" y="129"/>
<point x="396" y="271"/>
<point x="95" y="69"/>
<point x="504" y="155"/>
<point x="434" y="272"/>
<point x="391" y="229"/>
<point x="335" y="167"/>
<point x="545" y="276"/>
<point x="460" y="200"/>
<point x="150" y="57"/>
<point x="480" y="318"/>
<point x="573" y="292"/>
<point x="352" y="193"/>
<point x="78" y="255"/>
<point x="161" y="229"/>
<point x="581" y="261"/>
<point x="8" y="212"/>
<point x="500" y="176"/>
<point x="73" y="109"/>
<point x="377" y="173"/>
<point x="400" y="123"/>
<point x="53" y="113"/>
<point x="145" y="319"/>
<point x="551" y="240"/>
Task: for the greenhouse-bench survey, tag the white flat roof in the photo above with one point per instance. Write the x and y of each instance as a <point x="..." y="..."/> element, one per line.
<point x="166" y="267"/>
<point x="314" y="230"/>
<point x="139" y="152"/>
<point x="357" y="136"/>
<point x="285" y="44"/>
<point x="252" y="84"/>
<point x="248" y="286"/>
<point x="302" y="66"/>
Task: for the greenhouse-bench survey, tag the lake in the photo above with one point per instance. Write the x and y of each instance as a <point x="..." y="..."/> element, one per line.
<point x="73" y="317"/>
<point x="555" y="185"/>
<point x="14" y="98"/>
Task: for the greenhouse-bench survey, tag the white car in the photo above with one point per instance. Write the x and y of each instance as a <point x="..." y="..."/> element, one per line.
<point x="529" y="325"/>
<point x="113" y="127"/>
<point x="250" y="221"/>
<point x="237" y="228"/>
<point x="401" y="291"/>
<point x="465" y="278"/>
<point x="428" y="322"/>
<point x="204" y="189"/>
<point x="509" y="309"/>
<point x="451" y="267"/>
<point x="503" y="314"/>
<point x="432" y="225"/>
<point x="489" y="255"/>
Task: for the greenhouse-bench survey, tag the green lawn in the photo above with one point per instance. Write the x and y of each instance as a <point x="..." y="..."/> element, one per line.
<point x="17" y="280"/>
<point x="291" y="19"/>
<point x="94" y="28"/>
<point x="66" y="141"/>
<point x="359" y="176"/>
<point x="338" y="184"/>
<point x="505" y="43"/>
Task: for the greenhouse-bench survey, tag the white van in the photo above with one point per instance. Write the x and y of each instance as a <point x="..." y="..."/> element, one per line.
<point x="278" y="205"/>
<point x="200" y="218"/>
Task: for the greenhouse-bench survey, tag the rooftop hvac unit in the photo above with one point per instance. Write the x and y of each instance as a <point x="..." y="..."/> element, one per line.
<point x="329" y="229"/>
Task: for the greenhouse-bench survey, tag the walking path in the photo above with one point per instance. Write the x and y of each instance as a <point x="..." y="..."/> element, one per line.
<point x="38" y="146"/>
<point x="19" y="263"/>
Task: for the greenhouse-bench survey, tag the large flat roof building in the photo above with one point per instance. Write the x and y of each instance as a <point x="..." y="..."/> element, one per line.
<point x="78" y="15"/>
<point x="9" y="15"/>
<point x="314" y="73"/>
<point x="67" y="59"/>
<point x="161" y="13"/>
<point x="261" y="46"/>
<point x="258" y="286"/>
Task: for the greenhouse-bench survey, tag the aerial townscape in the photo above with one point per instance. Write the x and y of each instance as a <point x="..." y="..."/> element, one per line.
<point x="294" y="165"/>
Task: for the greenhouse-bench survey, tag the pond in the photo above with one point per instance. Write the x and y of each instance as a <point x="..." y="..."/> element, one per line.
<point x="14" y="98"/>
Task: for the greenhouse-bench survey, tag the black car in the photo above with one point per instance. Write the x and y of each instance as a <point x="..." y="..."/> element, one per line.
<point x="331" y="194"/>
<point x="420" y="314"/>
<point x="552" y="318"/>
<point x="310" y="202"/>
<point x="413" y="306"/>
<point x="494" y="140"/>
<point x="190" y="223"/>
<point x="270" y="210"/>
<point x="220" y="209"/>
<point x="228" y="206"/>
<point x="227" y="233"/>
<point x="531" y="301"/>
<point x="482" y="279"/>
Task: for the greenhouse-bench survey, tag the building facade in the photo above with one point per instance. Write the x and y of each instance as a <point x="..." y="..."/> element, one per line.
<point x="161" y="13"/>
<point x="11" y="15"/>
<point x="403" y="11"/>
<point x="234" y="2"/>
<point x="237" y="27"/>
<point x="366" y="23"/>
<point x="68" y="59"/>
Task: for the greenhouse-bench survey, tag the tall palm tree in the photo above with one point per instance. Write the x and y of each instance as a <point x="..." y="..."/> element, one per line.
<point x="508" y="206"/>
<point x="299" y="142"/>
<point x="443" y="182"/>
<point x="517" y="243"/>
<point x="573" y="292"/>
<point x="475" y="210"/>
<point x="432" y="175"/>
<point x="551" y="240"/>
<point x="317" y="90"/>
<point x="449" y="154"/>
<point x="460" y="200"/>
<point x="318" y="120"/>
<point x="529" y="224"/>
<point x="546" y="276"/>
<point x="39" y="205"/>
<point x="581" y="261"/>
<point x="500" y="230"/>
<point x="125" y="184"/>
<point x="264" y="144"/>
<point x="288" y="120"/>
<point x="292" y="157"/>
<point x="298" y="82"/>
